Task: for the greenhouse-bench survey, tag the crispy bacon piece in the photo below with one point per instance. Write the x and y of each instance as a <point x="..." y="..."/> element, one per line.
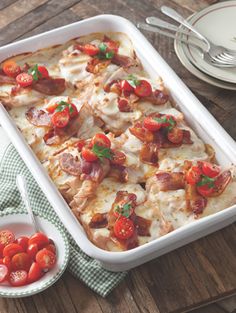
<point x="157" y="97"/>
<point x="142" y="225"/>
<point x="194" y="201"/>
<point x="170" y="180"/>
<point x="50" y="86"/>
<point x="123" y="60"/>
<point x="4" y="79"/>
<point x="221" y="182"/>
<point x="162" y="141"/>
<point x="38" y="117"/>
<point x="51" y="138"/>
<point x="119" y="172"/>
<point x="70" y="164"/>
<point x="99" y="220"/>
<point x="97" y="171"/>
<point x="149" y="154"/>
<point x="141" y="133"/>
<point x="187" y="137"/>
<point x="96" y="65"/>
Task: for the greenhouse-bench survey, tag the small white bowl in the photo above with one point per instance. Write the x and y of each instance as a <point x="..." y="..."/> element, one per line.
<point x="18" y="223"/>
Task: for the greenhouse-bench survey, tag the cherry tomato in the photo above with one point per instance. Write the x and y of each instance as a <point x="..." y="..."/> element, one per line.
<point x="3" y="272"/>
<point x="118" y="157"/>
<point x="123" y="105"/>
<point x="18" y="278"/>
<point x="60" y="119"/>
<point x="210" y="170"/>
<point x="141" y="133"/>
<point x="6" y="237"/>
<point x="23" y="242"/>
<point x="90" y="49"/>
<point x="101" y="140"/>
<point x="81" y="144"/>
<point x="40" y="239"/>
<point x="24" y="79"/>
<point x="32" y="250"/>
<point x="35" y="272"/>
<point x="51" y="247"/>
<point x="21" y="261"/>
<point x="88" y="155"/>
<point x="193" y="175"/>
<point x="125" y="86"/>
<point x="205" y="190"/>
<point x="7" y="261"/>
<point x="12" y="249"/>
<point x="73" y="110"/>
<point x="143" y="89"/>
<point x="51" y="108"/>
<point x="175" y="135"/>
<point x="43" y="71"/>
<point x="10" y="68"/>
<point x="45" y="259"/>
<point x="123" y="228"/>
<point x="151" y="124"/>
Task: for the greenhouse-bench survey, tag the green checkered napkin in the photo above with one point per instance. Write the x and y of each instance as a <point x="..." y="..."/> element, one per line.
<point x="80" y="265"/>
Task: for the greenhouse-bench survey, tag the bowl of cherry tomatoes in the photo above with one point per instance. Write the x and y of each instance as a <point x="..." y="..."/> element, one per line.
<point x="30" y="262"/>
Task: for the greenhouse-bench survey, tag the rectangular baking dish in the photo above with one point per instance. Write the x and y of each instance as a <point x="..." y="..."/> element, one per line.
<point x="198" y="117"/>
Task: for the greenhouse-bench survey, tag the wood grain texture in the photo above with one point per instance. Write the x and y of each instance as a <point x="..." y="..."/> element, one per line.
<point x="192" y="276"/>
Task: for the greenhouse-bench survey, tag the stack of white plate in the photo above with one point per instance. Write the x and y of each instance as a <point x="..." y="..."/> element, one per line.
<point x="218" y="23"/>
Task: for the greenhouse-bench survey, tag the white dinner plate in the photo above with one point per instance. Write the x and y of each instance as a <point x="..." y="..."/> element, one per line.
<point x="18" y="223"/>
<point x="218" y="23"/>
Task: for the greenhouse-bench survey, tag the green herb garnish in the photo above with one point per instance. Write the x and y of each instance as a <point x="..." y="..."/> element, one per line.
<point x="205" y="180"/>
<point x="62" y="105"/>
<point x="102" y="152"/>
<point x="104" y="54"/>
<point x="102" y="47"/>
<point x="34" y="71"/>
<point x="133" y="80"/>
<point x="125" y="210"/>
<point x="109" y="55"/>
<point x="163" y="120"/>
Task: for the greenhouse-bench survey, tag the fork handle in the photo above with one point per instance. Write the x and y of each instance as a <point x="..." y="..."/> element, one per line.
<point x="177" y="17"/>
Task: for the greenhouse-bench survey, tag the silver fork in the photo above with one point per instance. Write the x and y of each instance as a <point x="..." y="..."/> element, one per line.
<point x="219" y="53"/>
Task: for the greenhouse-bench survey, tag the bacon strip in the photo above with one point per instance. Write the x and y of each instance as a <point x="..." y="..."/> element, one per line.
<point x="70" y="164"/>
<point x="170" y="180"/>
<point x="157" y="98"/>
<point x="123" y="60"/>
<point x="50" y="86"/>
<point x="119" y="172"/>
<point x="194" y="201"/>
<point x="38" y="117"/>
<point x="187" y="137"/>
<point x="96" y="65"/>
<point x="221" y="183"/>
<point x="149" y="154"/>
<point x="142" y="225"/>
<point x="99" y="220"/>
<point x="4" y="79"/>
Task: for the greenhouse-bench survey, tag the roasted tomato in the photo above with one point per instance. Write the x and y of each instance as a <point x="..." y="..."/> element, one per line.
<point x="35" y="272"/>
<point x="208" y="169"/>
<point x="73" y="112"/>
<point x="205" y="190"/>
<point x="88" y="155"/>
<point x="11" y="68"/>
<point x="175" y="135"/>
<point x="32" y="250"/>
<point x="143" y="89"/>
<point x="101" y="140"/>
<point x="6" y="237"/>
<point x="152" y="123"/>
<point x="23" y="242"/>
<point x="24" y="79"/>
<point x="18" y="278"/>
<point x="40" y="239"/>
<point x="45" y="259"/>
<point x="43" y="71"/>
<point x="12" y="249"/>
<point x="123" y="228"/>
<point x="118" y="157"/>
<point x="125" y="86"/>
<point x="21" y="261"/>
<point x="141" y="133"/>
<point x="3" y="272"/>
<point x="90" y="49"/>
<point x="123" y="105"/>
<point x="80" y="144"/>
<point x="51" y="109"/>
<point x="60" y="119"/>
<point x="193" y="175"/>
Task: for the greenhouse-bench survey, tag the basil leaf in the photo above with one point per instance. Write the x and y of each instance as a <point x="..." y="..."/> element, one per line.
<point x="102" y="47"/>
<point x="109" y="55"/>
<point x="34" y="71"/>
<point x="102" y="152"/>
<point x="206" y="181"/>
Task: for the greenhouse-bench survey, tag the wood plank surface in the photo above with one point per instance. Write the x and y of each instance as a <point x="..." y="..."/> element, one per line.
<point x="192" y="276"/>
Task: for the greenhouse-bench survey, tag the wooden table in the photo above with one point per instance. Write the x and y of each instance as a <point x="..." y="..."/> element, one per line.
<point x="192" y="276"/>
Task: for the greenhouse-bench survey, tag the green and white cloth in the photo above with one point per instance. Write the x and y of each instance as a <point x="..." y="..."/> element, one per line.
<point x="80" y="265"/>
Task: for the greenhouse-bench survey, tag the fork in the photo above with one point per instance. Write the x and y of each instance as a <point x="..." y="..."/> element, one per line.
<point x="218" y="53"/>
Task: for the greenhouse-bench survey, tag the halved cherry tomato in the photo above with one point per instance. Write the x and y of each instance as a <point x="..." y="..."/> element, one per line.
<point x="18" y="278"/>
<point x="11" y="68"/>
<point x="45" y="259"/>
<point x="7" y="261"/>
<point x="205" y="190"/>
<point x="3" y="273"/>
<point x="143" y="89"/>
<point x="141" y="133"/>
<point x="101" y="140"/>
<point x="23" y="242"/>
<point x="90" y="49"/>
<point x="118" y="157"/>
<point x="125" y="86"/>
<point x="73" y="110"/>
<point x="6" y="237"/>
<point x="123" y="105"/>
<point x="193" y="175"/>
<point x="32" y="250"/>
<point x="88" y="155"/>
<point x="24" y="79"/>
<point x="81" y="144"/>
<point x="208" y="169"/>
<point x="51" y="108"/>
<point x="35" y="272"/>
<point x="175" y="135"/>
<point x="43" y="71"/>
<point x="51" y="247"/>
<point x="12" y="249"/>
<point x="123" y="228"/>
<point x="151" y="124"/>
<point x="60" y="119"/>
<point x="21" y="261"/>
<point x="40" y="239"/>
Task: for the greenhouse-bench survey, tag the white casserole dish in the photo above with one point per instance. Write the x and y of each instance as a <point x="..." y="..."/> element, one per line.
<point x="198" y="117"/>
